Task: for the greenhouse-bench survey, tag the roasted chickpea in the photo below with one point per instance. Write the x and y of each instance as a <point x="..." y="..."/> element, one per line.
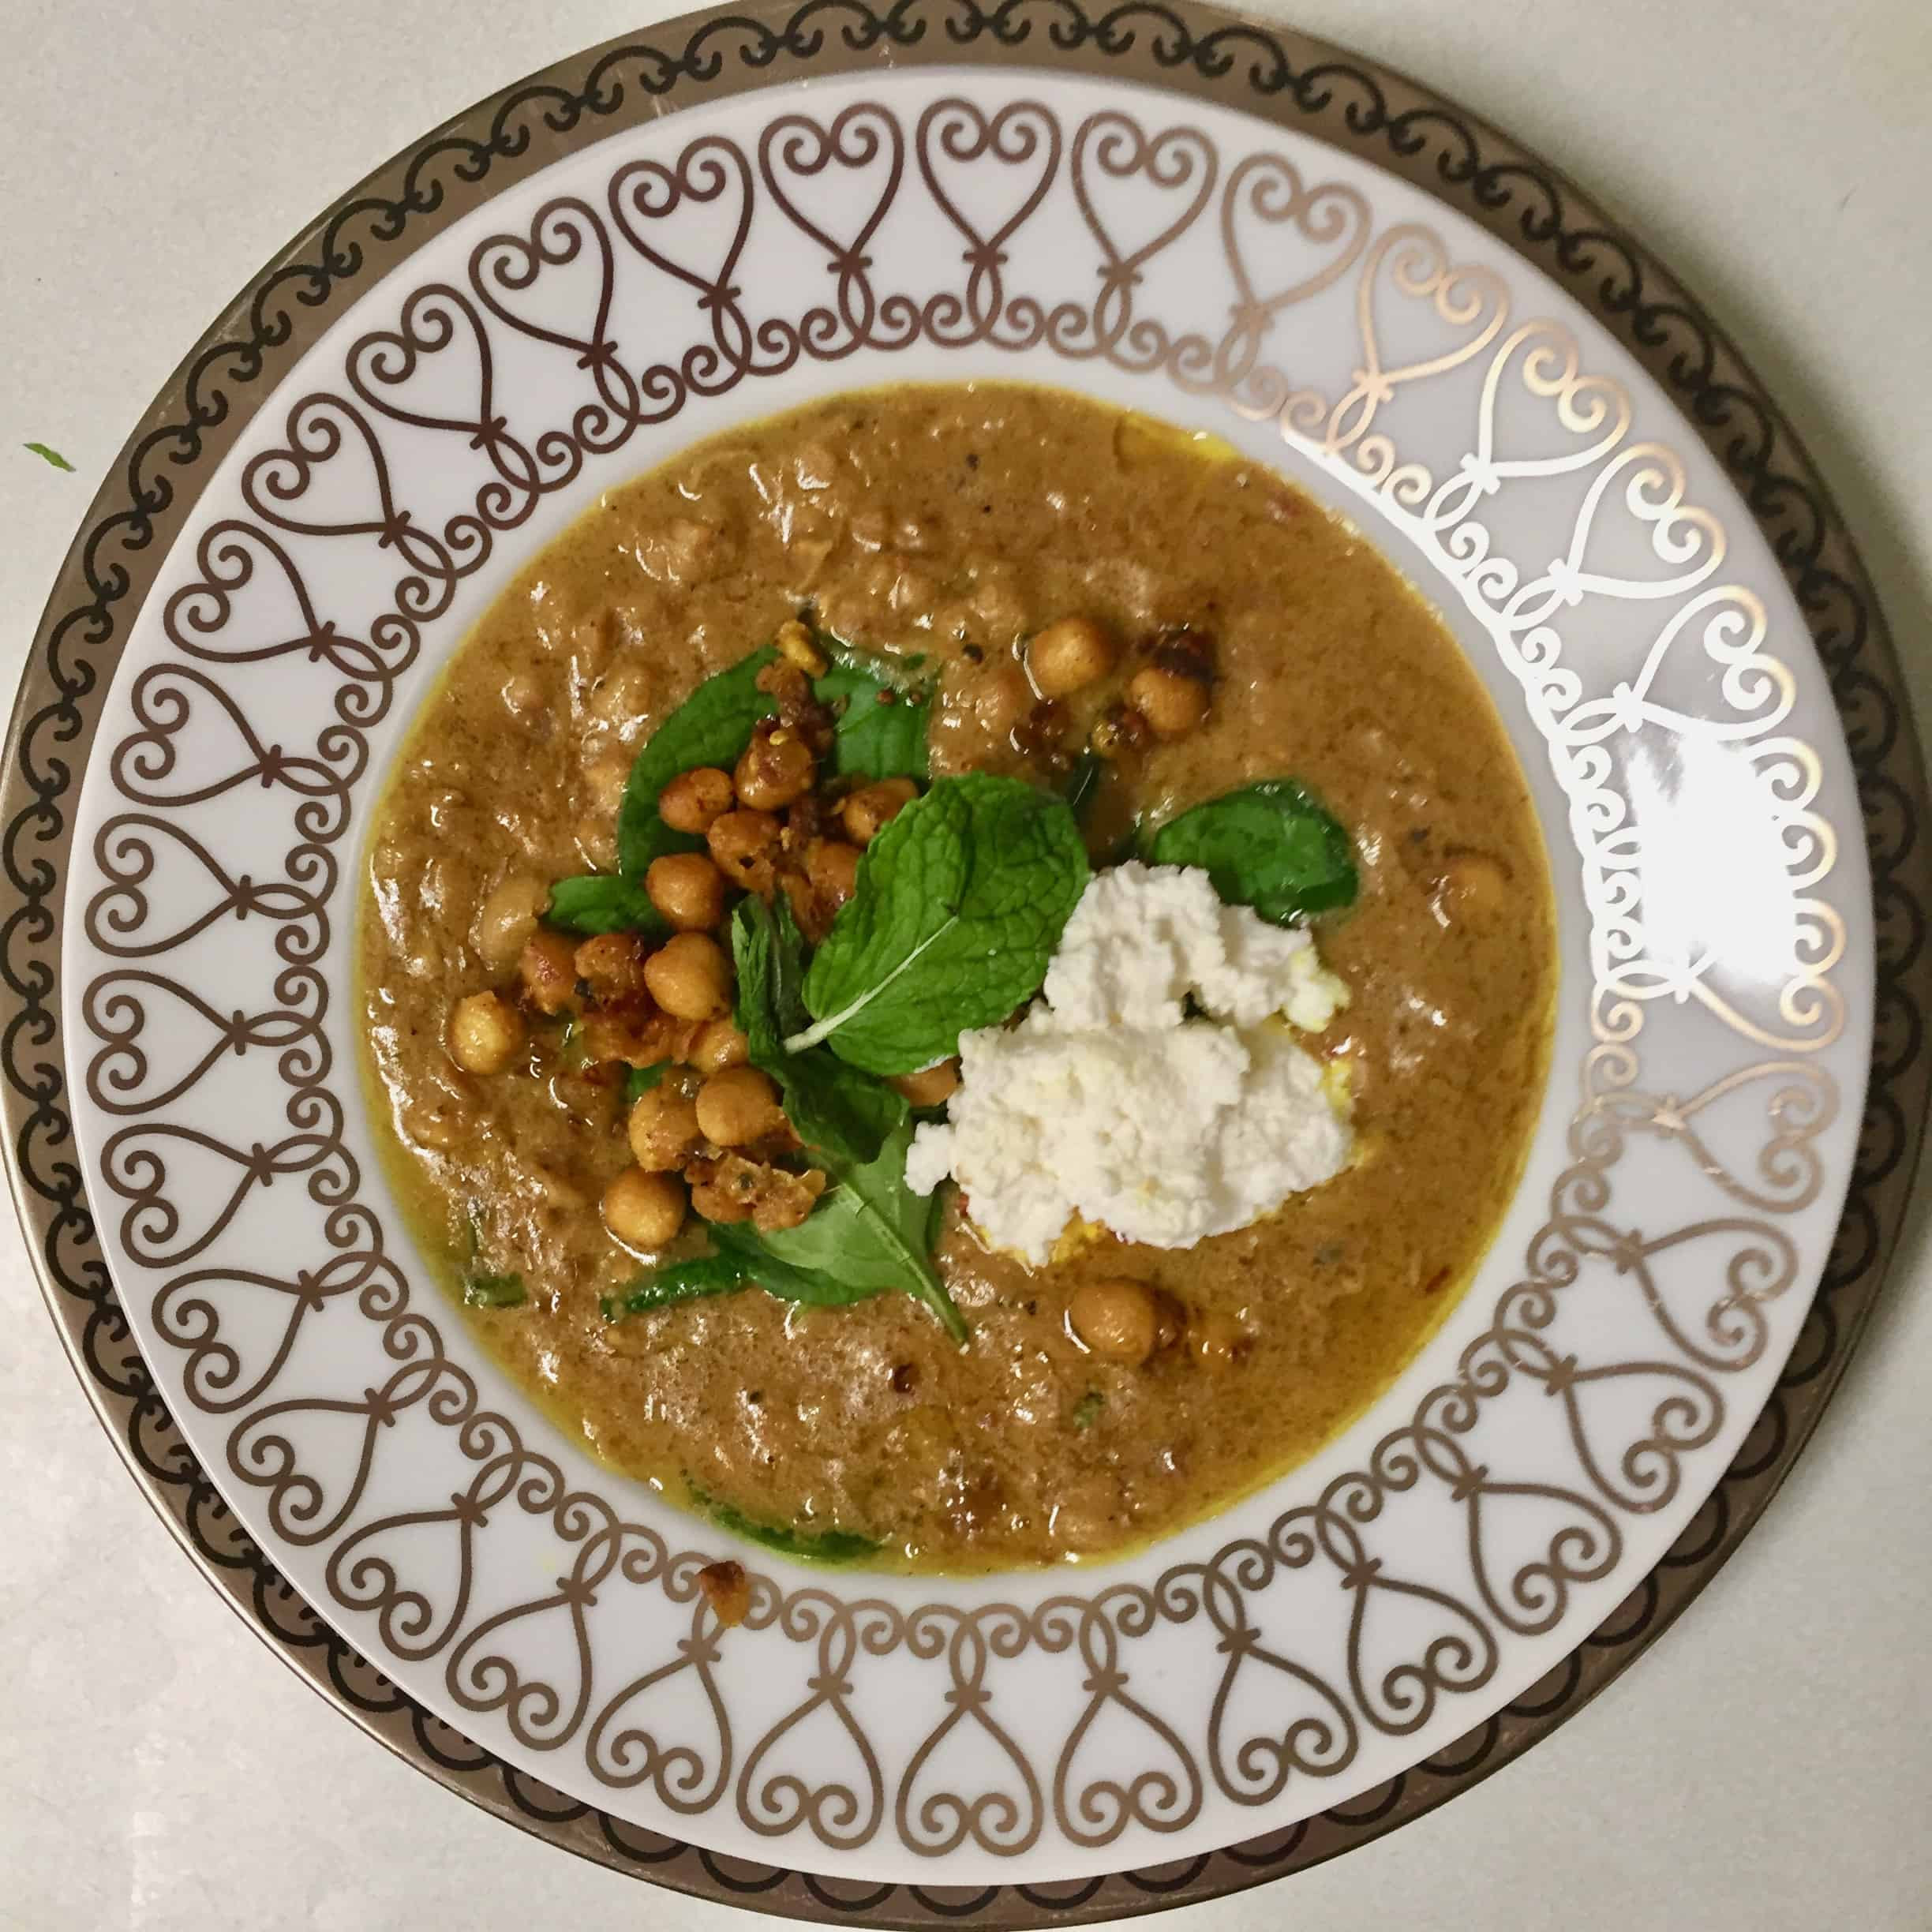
<point x="663" y="1129"/>
<point x="689" y="977"/>
<point x="718" y="1045"/>
<point x="1172" y="703"/>
<point x="744" y="846"/>
<point x="728" y="1590"/>
<point x="613" y="964"/>
<point x="1068" y="655"/>
<point x="737" y="1106"/>
<point x="777" y="767"/>
<point x="797" y="646"/>
<point x="1473" y="885"/>
<point x="694" y="799"/>
<point x="547" y="968"/>
<point x="932" y="1086"/>
<point x="484" y="1032"/>
<point x="832" y="867"/>
<point x="687" y="888"/>
<point x="644" y="1210"/>
<point x="867" y="812"/>
<point x="1119" y="1320"/>
<point x="508" y="917"/>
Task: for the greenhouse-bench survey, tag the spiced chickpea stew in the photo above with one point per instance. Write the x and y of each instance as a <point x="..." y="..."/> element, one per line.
<point x="956" y="979"/>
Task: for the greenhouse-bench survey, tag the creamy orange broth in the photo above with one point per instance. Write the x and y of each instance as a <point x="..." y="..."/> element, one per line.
<point x="957" y="521"/>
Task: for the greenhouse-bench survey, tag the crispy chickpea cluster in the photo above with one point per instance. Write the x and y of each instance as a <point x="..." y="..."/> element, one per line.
<point x="709" y="1135"/>
<point x="1160" y="692"/>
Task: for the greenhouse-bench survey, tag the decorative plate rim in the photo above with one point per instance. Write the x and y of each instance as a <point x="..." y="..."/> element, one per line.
<point x="1274" y="74"/>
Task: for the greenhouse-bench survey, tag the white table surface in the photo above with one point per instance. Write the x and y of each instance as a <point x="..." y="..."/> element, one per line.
<point x="1768" y="1766"/>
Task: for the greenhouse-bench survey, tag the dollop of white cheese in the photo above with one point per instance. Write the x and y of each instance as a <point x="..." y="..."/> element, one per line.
<point x="1107" y="1103"/>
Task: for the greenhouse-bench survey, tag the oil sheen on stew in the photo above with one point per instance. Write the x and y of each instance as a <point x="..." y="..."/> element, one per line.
<point x="956" y="523"/>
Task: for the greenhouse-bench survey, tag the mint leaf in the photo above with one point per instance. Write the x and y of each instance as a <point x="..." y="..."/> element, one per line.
<point x="492" y="1291"/>
<point x="842" y="1114"/>
<point x="49" y="455"/>
<point x="1273" y="846"/>
<point x="884" y="708"/>
<point x="960" y="904"/>
<point x="822" y="1546"/>
<point x="711" y="726"/>
<point x="600" y="902"/>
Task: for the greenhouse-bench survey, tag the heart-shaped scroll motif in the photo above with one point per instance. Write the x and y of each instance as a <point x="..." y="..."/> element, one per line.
<point x="1409" y="1644"/>
<point x="1139" y="1772"/>
<point x="567" y="275"/>
<point x="507" y="1661"/>
<point x="1754" y="1261"/>
<point x="296" y="1449"/>
<point x="173" y="702"/>
<point x="331" y="479"/>
<point x="1295" y="240"/>
<point x="234" y="614"/>
<point x="1023" y="139"/>
<point x="1765" y="1119"/>
<point x="159" y="1038"/>
<point x="1757" y="691"/>
<point x="239" y="1327"/>
<point x="669" y="214"/>
<point x="817" y="175"/>
<point x="144" y="857"/>
<point x="400" y="1566"/>
<point x="816" y="1765"/>
<point x="967" y="1780"/>
<point x="639" y="1736"/>
<point x="1275" y="1717"/>
<point x="1174" y="172"/>
<point x="1640" y="493"/>
<point x="1540" y="1538"/>
<point x="1631" y="1423"/>
<point x="1454" y="310"/>
<point x="1591" y="415"/>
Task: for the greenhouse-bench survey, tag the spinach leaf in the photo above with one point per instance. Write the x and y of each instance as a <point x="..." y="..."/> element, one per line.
<point x="842" y="1114"/>
<point x="683" y="1281"/>
<point x="601" y="902"/>
<point x="711" y="726"/>
<point x="638" y="1081"/>
<point x="960" y="904"/>
<point x="1273" y="846"/>
<point x="823" y="1546"/>
<point x="1087" y="1411"/>
<point x="49" y="455"/>
<point x="493" y="1291"/>
<point x="743" y="1259"/>
<point x="884" y="708"/>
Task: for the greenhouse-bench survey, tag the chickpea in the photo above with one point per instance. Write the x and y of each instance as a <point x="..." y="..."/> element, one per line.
<point x="689" y="977"/>
<point x="663" y="1129"/>
<point x="931" y="1086"/>
<point x="644" y="1210"/>
<point x="832" y="867"/>
<point x="484" y="1032"/>
<point x="548" y="968"/>
<point x="1069" y="654"/>
<point x="1120" y="1321"/>
<point x="694" y="799"/>
<point x="613" y="964"/>
<point x="796" y="646"/>
<point x="744" y="846"/>
<point x="1473" y="883"/>
<point x="777" y="767"/>
<point x="738" y="1105"/>
<point x="719" y="1045"/>
<point x="687" y="888"/>
<point x="605" y="779"/>
<point x="728" y="1590"/>
<point x="867" y="812"/>
<point x="508" y="917"/>
<point x="523" y="694"/>
<point x="1214" y="1338"/>
<point x="1172" y="703"/>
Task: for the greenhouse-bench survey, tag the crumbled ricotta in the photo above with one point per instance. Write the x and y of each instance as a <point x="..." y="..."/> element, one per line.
<point x="1107" y="1102"/>
<point x="1144" y="939"/>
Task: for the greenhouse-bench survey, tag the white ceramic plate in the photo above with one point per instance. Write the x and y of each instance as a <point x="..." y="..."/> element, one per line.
<point x="992" y="205"/>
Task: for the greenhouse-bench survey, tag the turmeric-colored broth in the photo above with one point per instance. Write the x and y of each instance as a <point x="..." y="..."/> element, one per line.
<point x="956" y="522"/>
